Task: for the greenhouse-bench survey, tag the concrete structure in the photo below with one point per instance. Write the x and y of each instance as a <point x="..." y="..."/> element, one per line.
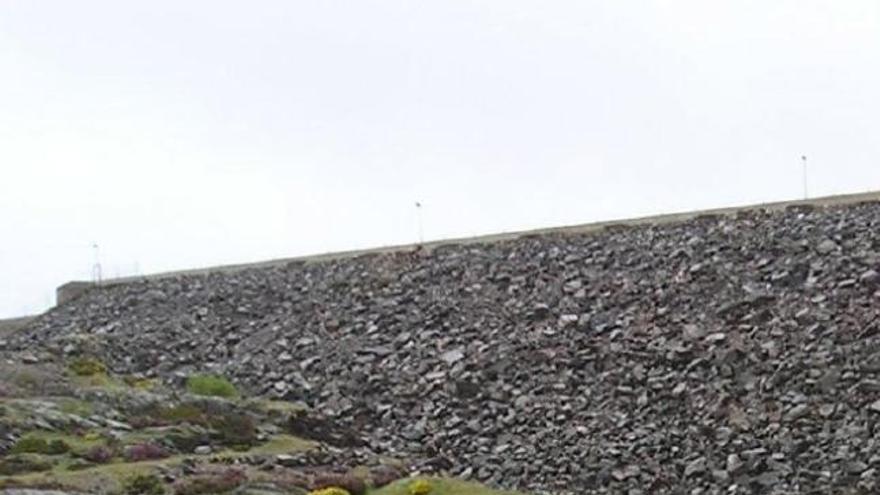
<point x="74" y="289"/>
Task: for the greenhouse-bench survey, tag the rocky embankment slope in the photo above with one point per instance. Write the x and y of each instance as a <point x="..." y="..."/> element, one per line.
<point x="735" y="354"/>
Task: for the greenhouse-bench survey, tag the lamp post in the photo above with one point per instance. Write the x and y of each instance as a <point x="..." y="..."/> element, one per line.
<point x="419" y="220"/>
<point x="96" y="268"/>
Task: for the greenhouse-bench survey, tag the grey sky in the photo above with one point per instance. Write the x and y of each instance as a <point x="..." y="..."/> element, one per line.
<point x="180" y="134"/>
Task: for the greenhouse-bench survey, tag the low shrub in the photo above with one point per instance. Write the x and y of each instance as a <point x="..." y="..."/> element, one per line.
<point x="352" y="484"/>
<point x="144" y="452"/>
<point x="79" y="465"/>
<point x="139" y="383"/>
<point x="385" y="475"/>
<point x="184" y="440"/>
<point x="290" y="481"/>
<point x="182" y="413"/>
<point x="26" y="379"/>
<point x="31" y="380"/>
<point x="329" y="491"/>
<point x="211" y="385"/>
<point x="91" y="436"/>
<point x="234" y="430"/>
<point x="314" y="426"/>
<point x="157" y="415"/>
<point x="37" y="445"/>
<point x="40" y="485"/>
<point x="75" y="407"/>
<point x="19" y="464"/>
<point x="222" y="482"/>
<point x="99" y="454"/>
<point x="419" y="487"/>
<point x="87" y="366"/>
<point x="144" y="484"/>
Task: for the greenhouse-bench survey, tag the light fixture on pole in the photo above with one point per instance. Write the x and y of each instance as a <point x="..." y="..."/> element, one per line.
<point x="419" y="219"/>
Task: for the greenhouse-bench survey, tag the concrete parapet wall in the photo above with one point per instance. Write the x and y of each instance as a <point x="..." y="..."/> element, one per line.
<point x="72" y="290"/>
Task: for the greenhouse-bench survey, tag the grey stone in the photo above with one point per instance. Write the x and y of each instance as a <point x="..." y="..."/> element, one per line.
<point x="871" y="277"/>
<point x="452" y="357"/>
<point x="826" y="247"/>
<point x="697" y="466"/>
<point x="734" y="464"/>
<point x="797" y="412"/>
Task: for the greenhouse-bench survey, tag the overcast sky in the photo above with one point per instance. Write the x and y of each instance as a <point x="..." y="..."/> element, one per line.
<point x="178" y="134"/>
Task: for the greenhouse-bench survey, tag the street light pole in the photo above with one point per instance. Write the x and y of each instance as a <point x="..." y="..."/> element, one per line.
<point x="804" y="162"/>
<point x="419" y="219"/>
<point x="96" y="268"/>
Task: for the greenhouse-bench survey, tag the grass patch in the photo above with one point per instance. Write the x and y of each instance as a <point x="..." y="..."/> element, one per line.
<point x="143" y="484"/>
<point x="33" y="444"/>
<point x="138" y="383"/>
<point x="275" y="407"/>
<point x="23" y="463"/>
<point x="282" y="444"/>
<point x="74" y="442"/>
<point x="439" y="486"/>
<point x="99" y="380"/>
<point x="106" y="478"/>
<point x="75" y="406"/>
<point x="87" y="366"/>
<point x="182" y="413"/>
<point x="211" y="386"/>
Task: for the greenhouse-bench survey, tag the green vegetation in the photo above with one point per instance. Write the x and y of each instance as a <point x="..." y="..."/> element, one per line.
<point x="140" y="383"/>
<point x="211" y="385"/>
<point x="25" y="379"/>
<point x="39" y="445"/>
<point x="211" y="484"/>
<point x="439" y="486"/>
<point x="330" y="491"/>
<point x="236" y="431"/>
<point x="98" y="479"/>
<point x="182" y="413"/>
<point x="52" y="443"/>
<point x="75" y="406"/>
<point x="124" y="442"/>
<point x="144" y="484"/>
<point x="18" y="464"/>
<point x="419" y="487"/>
<point x="350" y="483"/>
<point x="274" y="407"/>
<point x="282" y="444"/>
<point x="87" y="366"/>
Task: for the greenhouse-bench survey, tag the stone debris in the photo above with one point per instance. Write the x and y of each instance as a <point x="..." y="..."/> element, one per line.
<point x="726" y="354"/>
